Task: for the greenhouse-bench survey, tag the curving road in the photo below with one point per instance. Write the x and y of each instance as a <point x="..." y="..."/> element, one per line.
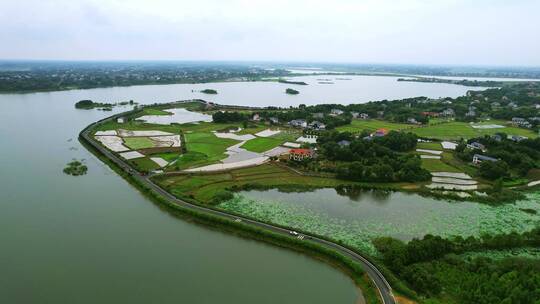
<point x="385" y="290"/>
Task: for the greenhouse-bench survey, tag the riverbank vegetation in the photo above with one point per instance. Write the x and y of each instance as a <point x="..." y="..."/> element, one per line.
<point x="433" y="267"/>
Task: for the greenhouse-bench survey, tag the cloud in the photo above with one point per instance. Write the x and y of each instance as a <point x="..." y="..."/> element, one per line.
<point x="399" y="31"/>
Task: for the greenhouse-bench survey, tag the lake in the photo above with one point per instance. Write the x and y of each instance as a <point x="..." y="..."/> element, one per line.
<point x="95" y="239"/>
<point x="359" y="89"/>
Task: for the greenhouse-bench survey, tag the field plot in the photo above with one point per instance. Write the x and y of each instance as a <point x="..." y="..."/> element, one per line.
<point x="372" y="125"/>
<point x="262" y="144"/>
<point x="144" y="164"/>
<point x="136" y="143"/>
<point x="456" y="130"/>
<point x="358" y="217"/>
<point x="203" y="148"/>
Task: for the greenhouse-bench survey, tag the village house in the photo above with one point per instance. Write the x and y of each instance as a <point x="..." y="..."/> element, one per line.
<point x="380" y="133"/>
<point x="344" y="143"/>
<point x="298" y="123"/>
<point x="256" y="117"/>
<point x="537" y="106"/>
<point x="448" y="113"/>
<point x="517" y="138"/>
<point x="120" y="120"/>
<point x="355" y="114"/>
<point x="363" y="116"/>
<point x="430" y="114"/>
<point x="301" y="154"/>
<point x="497" y="137"/>
<point x="471" y="112"/>
<point x="512" y="105"/>
<point x="318" y="115"/>
<point x="274" y="120"/>
<point x="317" y="125"/>
<point x="478" y="158"/>
<point x="495" y="104"/>
<point x="476" y="146"/>
<point x="411" y="120"/>
<point x="521" y="122"/>
<point x="336" y="112"/>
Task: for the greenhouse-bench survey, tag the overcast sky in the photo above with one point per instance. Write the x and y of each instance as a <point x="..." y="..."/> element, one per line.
<point x="480" y="32"/>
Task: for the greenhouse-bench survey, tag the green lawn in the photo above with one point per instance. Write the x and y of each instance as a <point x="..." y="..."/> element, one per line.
<point x="136" y="143"/>
<point x="144" y="164"/>
<point x="262" y="144"/>
<point x="372" y="125"/>
<point x="429" y="146"/>
<point x="456" y="130"/>
<point x="257" y="129"/>
<point x="168" y="156"/>
<point x="203" y="148"/>
<point x="152" y="111"/>
<point x="437" y="165"/>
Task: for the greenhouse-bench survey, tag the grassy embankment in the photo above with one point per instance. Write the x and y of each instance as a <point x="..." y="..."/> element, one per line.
<point x="154" y="111"/>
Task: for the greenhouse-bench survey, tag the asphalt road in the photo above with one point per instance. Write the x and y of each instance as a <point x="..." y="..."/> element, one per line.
<point x="384" y="288"/>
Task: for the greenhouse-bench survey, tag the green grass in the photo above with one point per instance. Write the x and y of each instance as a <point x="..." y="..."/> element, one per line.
<point x="429" y="146"/>
<point x="153" y="111"/>
<point x="372" y="125"/>
<point x="257" y="129"/>
<point x="144" y="164"/>
<point x="262" y="144"/>
<point x="168" y="156"/>
<point x="136" y="143"/>
<point x="437" y="165"/>
<point x="203" y="148"/>
<point x="456" y="130"/>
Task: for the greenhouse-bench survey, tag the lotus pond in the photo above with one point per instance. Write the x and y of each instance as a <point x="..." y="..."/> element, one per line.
<point x="356" y="217"/>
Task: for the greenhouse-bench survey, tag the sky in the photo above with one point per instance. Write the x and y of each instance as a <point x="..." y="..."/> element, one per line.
<point x="455" y="32"/>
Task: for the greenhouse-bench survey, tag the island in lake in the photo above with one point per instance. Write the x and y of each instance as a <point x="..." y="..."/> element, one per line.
<point x="209" y="91"/>
<point x="292" y="82"/>
<point x="291" y="91"/>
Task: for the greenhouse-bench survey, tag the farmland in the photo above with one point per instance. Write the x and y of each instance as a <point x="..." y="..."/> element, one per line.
<point x="262" y="144"/>
<point x="136" y="143"/>
<point x="372" y="125"/>
<point x="455" y="130"/>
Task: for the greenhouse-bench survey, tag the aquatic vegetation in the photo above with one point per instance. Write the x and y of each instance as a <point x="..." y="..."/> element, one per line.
<point x="364" y="215"/>
<point x="75" y="168"/>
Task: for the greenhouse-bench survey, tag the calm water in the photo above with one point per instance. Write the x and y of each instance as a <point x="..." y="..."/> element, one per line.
<point x="358" y="90"/>
<point x="95" y="239"/>
<point x="357" y="217"/>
